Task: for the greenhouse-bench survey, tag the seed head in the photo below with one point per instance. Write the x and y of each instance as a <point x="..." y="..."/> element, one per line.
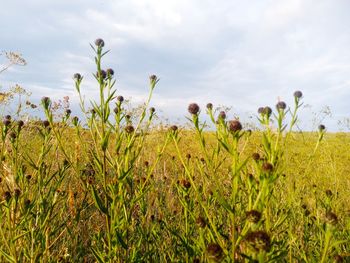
<point x="20" y="123"/>
<point x="77" y="76"/>
<point x="68" y="112"/>
<point x="259" y="240"/>
<point x="222" y="115"/>
<point x="338" y="258"/>
<point x="46" y="123"/>
<point x="120" y="99"/>
<point x="116" y="110"/>
<point x="253" y="216"/>
<point x="329" y="193"/>
<point x="215" y="252"/>
<point x="99" y="42"/>
<point x="185" y="183"/>
<point x="152" y="110"/>
<point x="235" y="126"/>
<point x="261" y="110"/>
<point x="7" y="196"/>
<point x="13" y="135"/>
<point x="173" y="128"/>
<point x="153" y="78"/>
<point x="110" y="72"/>
<point x="281" y="105"/>
<point x="298" y="94"/>
<point x="267" y="111"/>
<point x="17" y="192"/>
<point x="129" y="129"/>
<point x="188" y="156"/>
<point x="8" y="117"/>
<point x="209" y="106"/>
<point x="331" y="218"/>
<point x="267" y="167"/>
<point x="193" y="108"/>
<point x="201" y="222"/>
<point x="256" y="156"/>
<point x="321" y="127"/>
<point x="75" y="120"/>
<point x="46" y="102"/>
<point x="103" y="74"/>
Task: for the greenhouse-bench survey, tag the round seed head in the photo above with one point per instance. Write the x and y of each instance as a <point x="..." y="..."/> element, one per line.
<point x="7" y="196"/>
<point x="259" y="240"/>
<point x="13" y="135"/>
<point x="215" y="252"/>
<point x="321" y="127"/>
<point x="129" y="129"/>
<point x="281" y="105"/>
<point x="152" y="110"/>
<point x="20" y="123"/>
<point x="17" y="192"/>
<point x="222" y="115"/>
<point x="116" y="110"/>
<point x="68" y="112"/>
<point x="298" y="94"/>
<point x="267" y="111"/>
<point x="331" y="218"/>
<point x="75" y="120"/>
<point x="173" y="128"/>
<point x="8" y="117"/>
<point x="110" y="72"/>
<point x="103" y="74"/>
<point x="261" y="110"/>
<point x="185" y="183"/>
<point x="120" y="99"/>
<point x="253" y="216"/>
<point x="153" y="78"/>
<point x="77" y="76"/>
<point x="256" y="156"/>
<point x="99" y="42"/>
<point x="46" y="123"/>
<point x="235" y="126"/>
<point x="267" y="167"/>
<point x="209" y="106"/>
<point x="193" y="108"/>
<point x="188" y="156"/>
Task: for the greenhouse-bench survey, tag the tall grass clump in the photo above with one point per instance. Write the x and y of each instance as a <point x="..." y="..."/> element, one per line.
<point x="102" y="185"/>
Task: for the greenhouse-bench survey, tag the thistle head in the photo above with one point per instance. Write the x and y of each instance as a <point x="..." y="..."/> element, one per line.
<point x="193" y="108"/>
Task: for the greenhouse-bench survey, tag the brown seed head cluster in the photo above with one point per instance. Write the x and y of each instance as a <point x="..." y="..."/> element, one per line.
<point x="193" y="108"/>
<point x="259" y="240"/>
<point x="129" y="129"/>
<point x="215" y="252"/>
<point x="331" y="218"/>
<point x="267" y="167"/>
<point x="235" y="126"/>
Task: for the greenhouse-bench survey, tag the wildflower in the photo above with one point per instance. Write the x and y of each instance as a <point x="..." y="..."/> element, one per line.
<point x="120" y="99"/>
<point x="173" y="128"/>
<point x="185" y="183"/>
<point x="75" y="120"/>
<point x="129" y="129"/>
<point x="253" y="216"/>
<point x="153" y="78"/>
<point x="77" y="76"/>
<point x="235" y="126"/>
<point x="152" y="110"/>
<point x="201" y="222"/>
<point x="331" y="218"/>
<point x="46" y="123"/>
<point x="261" y="110"/>
<point x="321" y="127"/>
<point x="99" y="42"/>
<point x="6" y="122"/>
<point x="267" y="167"/>
<point x="215" y="252"/>
<point x="116" y="110"/>
<point x="46" y="102"/>
<point x="7" y="196"/>
<point x="101" y="74"/>
<point x="193" y="108"/>
<point x="110" y="72"/>
<point x="259" y="240"/>
<point x="256" y="156"/>
<point x="68" y="112"/>
<point x="298" y="94"/>
<point x="188" y="156"/>
<point x="209" y="106"/>
<point x="222" y="115"/>
<point x="281" y="105"/>
<point x="13" y="135"/>
<point x="267" y="111"/>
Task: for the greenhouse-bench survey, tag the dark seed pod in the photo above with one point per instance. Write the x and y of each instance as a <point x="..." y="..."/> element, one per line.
<point x="261" y="110"/>
<point x="46" y="123"/>
<point x="222" y="115"/>
<point x="329" y="193"/>
<point x="6" y="122"/>
<point x="120" y="99"/>
<point x="193" y="108"/>
<point x="235" y="126"/>
<point x="99" y="42"/>
<point x="129" y="129"/>
<point x="267" y="111"/>
<point x="281" y="105"/>
<point x="103" y="74"/>
<point x="153" y="78"/>
<point x="8" y="117"/>
<point x="17" y="193"/>
<point x="185" y="183"/>
<point x="256" y="156"/>
<point x="209" y="106"/>
<point x="152" y="110"/>
<point x="7" y="196"/>
<point x="331" y="218"/>
<point x="13" y="135"/>
<point x="110" y="72"/>
<point x="77" y="76"/>
<point x="321" y="127"/>
<point x="68" y="112"/>
<point x="20" y="124"/>
<point x="173" y="128"/>
<point x="267" y="167"/>
<point x="298" y="94"/>
<point x="215" y="252"/>
<point x="253" y="216"/>
<point x="259" y="240"/>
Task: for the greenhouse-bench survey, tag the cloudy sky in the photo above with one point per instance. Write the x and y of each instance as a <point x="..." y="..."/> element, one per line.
<point x="242" y="54"/>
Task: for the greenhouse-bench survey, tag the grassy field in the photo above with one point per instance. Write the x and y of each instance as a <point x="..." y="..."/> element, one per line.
<point x="112" y="188"/>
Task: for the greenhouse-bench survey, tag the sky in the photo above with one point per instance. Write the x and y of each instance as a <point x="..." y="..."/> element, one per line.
<point x="239" y="54"/>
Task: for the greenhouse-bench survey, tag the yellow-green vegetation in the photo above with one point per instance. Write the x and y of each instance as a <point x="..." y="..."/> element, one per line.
<point x="109" y="188"/>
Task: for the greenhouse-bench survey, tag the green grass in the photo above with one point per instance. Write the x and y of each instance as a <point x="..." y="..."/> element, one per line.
<point x="117" y="190"/>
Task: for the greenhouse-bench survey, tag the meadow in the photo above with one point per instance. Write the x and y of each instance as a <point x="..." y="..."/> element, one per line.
<point x="113" y="188"/>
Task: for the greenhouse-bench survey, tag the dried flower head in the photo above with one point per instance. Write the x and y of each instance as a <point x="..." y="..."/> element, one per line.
<point x="8" y="117"/>
<point x="259" y="240"/>
<point x="331" y="218"/>
<point x="267" y="167"/>
<point x="129" y="129"/>
<point x="13" y="135"/>
<point x="298" y="94"/>
<point x="173" y="128"/>
<point x="209" y="106"/>
<point x="46" y="102"/>
<point x="281" y="105"/>
<point x="253" y="216"/>
<point x="68" y="112"/>
<point x="235" y="126"/>
<point x="110" y="72"/>
<point x="185" y="183"/>
<point x="256" y="156"/>
<point x="6" y="122"/>
<point x="7" y="196"/>
<point x="153" y="78"/>
<point x="193" y="108"/>
<point x="77" y="76"/>
<point x="321" y="127"/>
<point x="17" y="192"/>
<point x="261" y="110"/>
<point x="101" y="74"/>
<point x="46" y="123"/>
<point x="215" y="252"/>
<point x="222" y="115"/>
<point x="267" y="111"/>
<point x="99" y="42"/>
<point x="152" y="110"/>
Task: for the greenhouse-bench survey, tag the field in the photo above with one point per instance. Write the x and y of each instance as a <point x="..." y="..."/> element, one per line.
<point x="114" y="188"/>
